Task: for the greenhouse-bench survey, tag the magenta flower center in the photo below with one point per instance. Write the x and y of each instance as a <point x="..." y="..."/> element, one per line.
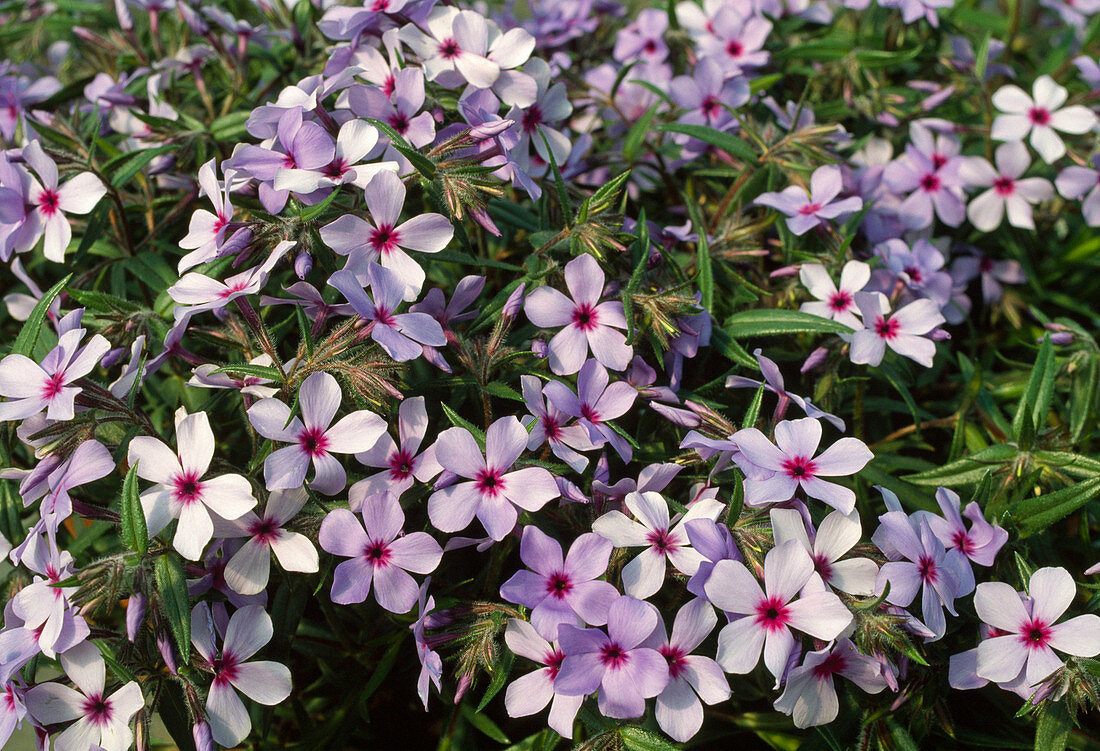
<point x="676" y="662"/>
<point x="927" y="569"/>
<point x="589" y="412"/>
<point x="225" y="668"/>
<point x="840" y="301"/>
<point x="887" y="329"/>
<point x="401" y="464"/>
<point x="799" y="467"/>
<point x="772" y="614"/>
<point x="186" y="487"/>
<point x="1035" y="634"/>
<point x="553" y="661"/>
<point x="377" y="553"/>
<point x="97" y="709"/>
<point x="938" y="160"/>
<point x="337" y="167"/>
<point x="734" y="48"/>
<point x="558" y="585"/>
<point x="552" y="428"/>
<point x="613" y="656"/>
<point x="384" y="316"/>
<point x="962" y="541"/>
<point x="585" y="317"/>
<point x="711" y="106"/>
<point x="48" y="201"/>
<point x="389" y="85"/>
<point x="384" y="238"/>
<point x="834" y="663"/>
<point x="399" y="122"/>
<point x="823" y="566"/>
<point x="916" y="276"/>
<point x="663" y="541"/>
<point x="1039" y="115"/>
<point x="930" y="183"/>
<point x="53" y="385"/>
<point x="449" y="48"/>
<point x="1004" y="186"/>
<point x="532" y="118"/>
<point x="265" y="531"/>
<point x="313" y="442"/>
<point x="489" y="482"/>
<point x="809" y="209"/>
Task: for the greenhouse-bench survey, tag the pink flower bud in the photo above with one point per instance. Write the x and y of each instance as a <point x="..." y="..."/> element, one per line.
<point x="135" y="612"/>
<point x="514" y="303"/>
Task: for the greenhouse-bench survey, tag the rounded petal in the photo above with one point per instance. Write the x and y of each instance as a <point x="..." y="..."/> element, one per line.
<point x="263" y="681"/>
<point x="394" y="589"/>
<point x="355" y="433"/>
<point x="739" y="645"/>
<point x="249" y="629"/>
<point x="1052" y="590"/>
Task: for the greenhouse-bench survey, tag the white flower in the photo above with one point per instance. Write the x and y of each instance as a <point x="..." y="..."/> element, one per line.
<point x="1040" y="116"/>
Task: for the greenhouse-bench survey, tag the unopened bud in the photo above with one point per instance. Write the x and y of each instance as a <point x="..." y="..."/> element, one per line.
<point x="816" y="358"/>
<point x="135" y="612"/>
<point x="514" y="302"/>
<point x="167" y="653"/>
<point x="303" y="264"/>
<point x="203" y="740"/>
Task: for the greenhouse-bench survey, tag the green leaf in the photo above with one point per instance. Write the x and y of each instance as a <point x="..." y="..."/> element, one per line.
<point x="1052" y="730"/>
<point x="637" y="739"/>
<point x="28" y="335"/>
<point x="230" y="128"/>
<point x="559" y="182"/>
<point x="315" y="211"/>
<point x="763" y="322"/>
<point x="172" y="585"/>
<point x="501" y="670"/>
<point x="727" y="142"/>
<point x="134" y="533"/>
<point x="705" y="270"/>
<point x="123" y="168"/>
<point x="965" y="471"/>
<point x="496" y="388"/>
<point x="1036" y="514"/>
<point x="753" y="412"/>
<point x="635" y="137"/>
<point x="250" y="370"/>
<point x="484" y="724"/>
<point x="1035" y="401"/>
<point x="102" y="302"/>
<point x="460" y="422"/>
<point x="903" y="741"/>
<point x="423" y="165"/>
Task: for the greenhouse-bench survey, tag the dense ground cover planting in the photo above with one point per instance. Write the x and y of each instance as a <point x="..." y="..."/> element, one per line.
<point x="550" y="374"/>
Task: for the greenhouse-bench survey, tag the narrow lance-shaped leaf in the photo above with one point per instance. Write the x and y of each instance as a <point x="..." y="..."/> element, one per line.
<point x="172" y="586"/>
<point x="134" y="533"/>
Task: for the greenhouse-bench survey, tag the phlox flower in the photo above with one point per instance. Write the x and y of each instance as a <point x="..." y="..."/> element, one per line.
<point x="616" y="663"/>
<point x="928" y="174"/>
<point x="530" y="693"/>
<point x="589" y="323"/>
<point x="837" y="534"/>
<point x="43" y="615"/>
<point x="492" y="492"/>
<point x="905" y="331"/>
<point x="1007" y="192"/>
<point x="693" y="679"/>
<point x="808" y="209"/>
<point x="402" y="464"/>
<point x="993" y="272"/>
<point x="299" y="144"/>
<point x="735" y="37"/>
<point x="550" y="426"/>
<point x="1040" y="115"/>
<point x="707" y="93"/>
<point x="182" y="490"/>
<point x="920" y="267"/>
<point x="204" y="377"/>
<point x="314" y="437"/>
<point x="197" y="292"/>
<point x="792" y="464"/>
<point x="381" y="554"/>
<point x="354" y="141"/>
<point x="12" y="709"/>
<point x="664" y="542"/>
<point x="402" y="335"/>
<point x="766" y="617"/>
<point x="835" y="302"/>
<point x="773" y="382"/>
<point x="596" y="402"/>
<point x="207" y="230"/>
<point x="913" y="10"/>
<point x="980" y="543"/>
<point x="561" y="590"/>
<point x="101" y="720"/>
<point x="32" y="387"/>
<point x="714" y="542"/>
<point x="1079" y="183"/>
<point x="644" y="38"/>
<point x="385" y="238"/>
<point x="248" y="569"/>
<point x="809" y="695"/>
<point x="1029" y="632"/>
<point x="262" y="681"/>
<point x="398" y="105"/>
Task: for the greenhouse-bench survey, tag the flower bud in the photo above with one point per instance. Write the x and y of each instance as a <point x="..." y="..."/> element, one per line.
<point x="303" y="264"/>
<point x="203" y="739"/>
<point x="514" y="302"/>
<point x="167" y="653"/>
<point x="135" y="612"/>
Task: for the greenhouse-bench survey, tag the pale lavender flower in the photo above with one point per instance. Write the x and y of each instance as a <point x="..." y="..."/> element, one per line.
<point x="311" y="301"/>
<point x="101" y="719"/>
<point x="808" y="209"/>
<point x="837" y="303"/>
<point x="913" y="10"/>
<point x="643" y="39"/>
<point x="401" y="335"/>
<point x="773" y="382"/>
<point x="398" y="105"/>
<point x="920" y="267"/>
<point x="197" y="292"/>
<point x="767" y="616"/>
<point x="182" y="490"/>
<point x="906" y="331"/>
<point x="302" y="145"/>
<point x="1079" y="183"/>
<point x="381" y="554"/>
<point x="980" y="543"/>
<point x="204" y="377"/>
<point x="714" y="542"/>
<point x="492" y="493"/>
<point x="16" y="92"/>
<point x="550" y="426"/>
<point x="993" y="272"/>
<point x="386" y="237"/>
<point x="20" y="305"/>
<point x="588" y="322"/>
<point x="616" y="663"/>
<point x="1030" y="629"/>
<point x="12" y="709"/>
<point x="530" y="693"/>
<point x="929" y="173"/>
<point x="1041" y="115"/>
<point x="32" y="387"/>
<point x="248" y="569"/>
<point x="561" y="590"/>
<point x="262" y="681"/>
<point x="401" y="464"/>
<point x="919" y="562"/>
<point x="207" y="230"/>
<point x="455" y="49"/>
<point x="314" y="437"/>
<point x="793" y="464"/>
<point x="837" y="534"/>
<point x="354" y="141"/>
<point x="735" y="37"/>
<point x="664" y="541"/>
<point x="48" y="622"/>
<point x="596" y="402"/>
<point x="809" y="696"/>
<point x="431" y="664"/>
<point x="708" y="94"/>
<point x="693" y="679"/>
<point x="1007" y="192"/>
